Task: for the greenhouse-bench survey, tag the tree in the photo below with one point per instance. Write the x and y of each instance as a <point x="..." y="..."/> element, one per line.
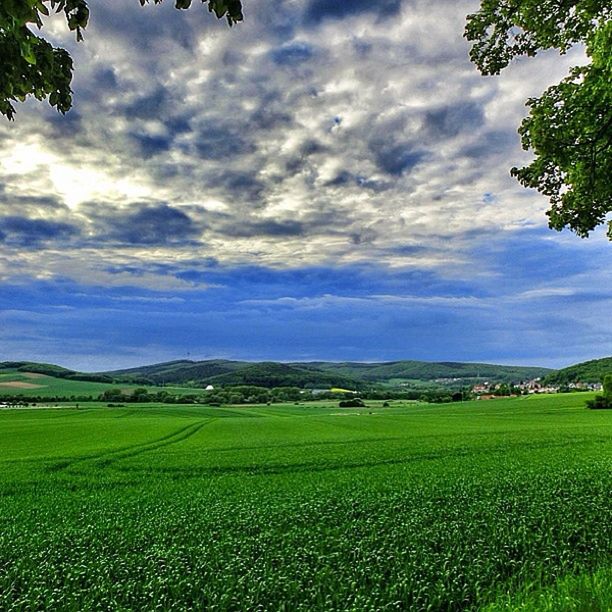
<point x="569" y="128"/>
<point x="31" y="66"/>
<point x="607" y="387"/>
<point x="603" y="401"/>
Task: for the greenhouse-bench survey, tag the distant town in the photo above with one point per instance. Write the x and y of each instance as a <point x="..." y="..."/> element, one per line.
<point x="487" y="390"/>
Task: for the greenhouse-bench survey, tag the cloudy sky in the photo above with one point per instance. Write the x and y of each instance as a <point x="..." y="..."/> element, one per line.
<point x="327" y="180"/>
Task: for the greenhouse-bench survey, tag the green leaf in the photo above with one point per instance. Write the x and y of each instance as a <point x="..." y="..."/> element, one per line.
<point x="27" y="52"/>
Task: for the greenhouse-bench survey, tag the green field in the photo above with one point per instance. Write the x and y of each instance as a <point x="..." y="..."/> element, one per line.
<point x="501" y="504"/>
<point x="28" y="384"/>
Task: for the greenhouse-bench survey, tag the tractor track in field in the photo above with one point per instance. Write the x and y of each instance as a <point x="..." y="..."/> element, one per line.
<point x="106" y="458"/>
<point x="332" y="466"/>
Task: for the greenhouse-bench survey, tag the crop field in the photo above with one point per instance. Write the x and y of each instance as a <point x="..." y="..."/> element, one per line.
<point x="28" y="384"/>
<point x="495" y="505"/>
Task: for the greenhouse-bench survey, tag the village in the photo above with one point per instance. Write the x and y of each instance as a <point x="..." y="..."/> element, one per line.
<point x="487" y="390"/>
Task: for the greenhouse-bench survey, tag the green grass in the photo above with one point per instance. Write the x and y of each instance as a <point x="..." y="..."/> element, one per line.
<point x="582" y="593"/>
<point x="500" y="503"/>
<point x="50" y="386"/>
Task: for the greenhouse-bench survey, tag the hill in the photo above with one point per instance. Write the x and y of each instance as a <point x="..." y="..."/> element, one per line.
<point x="588" y="371"/>
<point x="271" y="374"/>
<point x="27" y="382"/>
<point x="49" y="369"/>
<point x="177" y="372"/>
<point x="442" y="372"/>
<point x="324" y="374"/>
<point x="316" y="374"/>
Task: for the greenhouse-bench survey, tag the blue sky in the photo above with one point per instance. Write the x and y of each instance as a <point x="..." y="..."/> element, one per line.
<point x="327" y="180"/>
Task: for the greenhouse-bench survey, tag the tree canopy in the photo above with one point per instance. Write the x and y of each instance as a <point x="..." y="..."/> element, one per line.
<point x="32" y="66"/>
<point x="569" y="128"/>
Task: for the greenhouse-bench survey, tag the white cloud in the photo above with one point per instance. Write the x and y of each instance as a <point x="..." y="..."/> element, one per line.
<point x="371" y="137"/>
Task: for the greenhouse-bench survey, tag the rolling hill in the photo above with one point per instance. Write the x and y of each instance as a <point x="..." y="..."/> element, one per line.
<point x="29" y="383"/>
<point x="317" y="374"/>
<point x="177" y="372"/>
<point x="324" y="374"/>
<point x="588" y="371"/>
<point x="443" y="372"/>
<point x="271" y="374"/>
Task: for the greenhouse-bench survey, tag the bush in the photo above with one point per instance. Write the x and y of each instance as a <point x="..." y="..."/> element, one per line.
<point x="352" y="403"/>
<point x="604" y="401"/>
<point x="599" y="402"/>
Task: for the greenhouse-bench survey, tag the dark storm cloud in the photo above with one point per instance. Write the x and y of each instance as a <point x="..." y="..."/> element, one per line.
<point x="451" y="120"/>
<point x="320" y="10"/>
<point x="153" y="225"/>
<point x="25" y="232"/>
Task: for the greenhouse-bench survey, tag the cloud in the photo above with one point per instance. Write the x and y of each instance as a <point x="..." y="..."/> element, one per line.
<point x="396" y="159"/>
<point x="320" y="148"/>
<point x="257" y="313"/>
<point x="449" y="121"/>
<point x="31" y="233"/>
<point x="321" y="10"/>
<point x="216" y="142"/>
<point x="377" y="133"/>
<point x="266" y="228"/>
<point x="152" y="225"/>
<point x="292" y="54"/>
<point x="151" y="145"/>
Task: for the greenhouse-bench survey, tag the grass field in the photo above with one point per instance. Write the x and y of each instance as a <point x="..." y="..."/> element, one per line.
<point x="28" y="384"/>
<point x="494" y="505"/>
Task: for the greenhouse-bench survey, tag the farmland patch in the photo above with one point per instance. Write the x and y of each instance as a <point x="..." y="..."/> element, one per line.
<point x="19" y="384"/>
<point x="289" y="507"/>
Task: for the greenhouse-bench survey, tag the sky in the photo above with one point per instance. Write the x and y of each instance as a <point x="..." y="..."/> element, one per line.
<point x="327" y="180"/>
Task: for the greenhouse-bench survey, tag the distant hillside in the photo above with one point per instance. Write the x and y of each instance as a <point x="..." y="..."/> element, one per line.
<point x="316" y="374"/>
<point x="55" y="371"/>
<point x="177" y="372"/>
<point x="430" y="371"/>
<point x="29" y="382"/>
<point x="271" y="374"/>
<point x="323" y="374"/>
<point x="588" y="371"/>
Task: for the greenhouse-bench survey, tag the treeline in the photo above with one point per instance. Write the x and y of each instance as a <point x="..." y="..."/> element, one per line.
<point x="241" y="394"/>
<point x="251" y="394"/>
<point x="244" y="394"/>
<point x="24" y="400"/>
